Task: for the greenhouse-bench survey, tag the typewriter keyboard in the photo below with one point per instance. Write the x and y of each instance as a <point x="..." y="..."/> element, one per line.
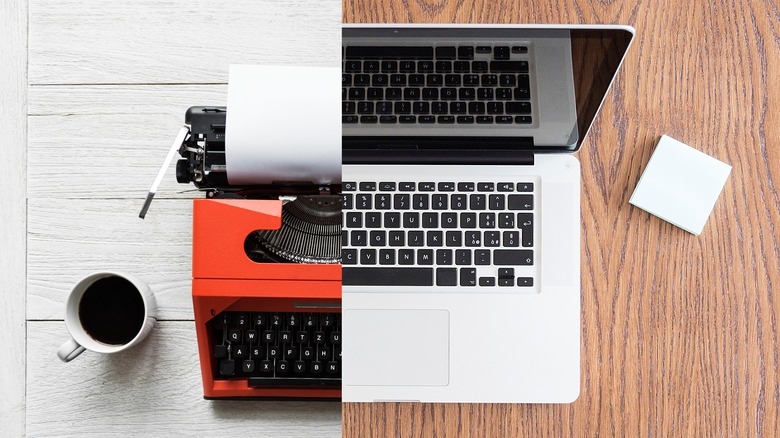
<point x="279" y="349"/>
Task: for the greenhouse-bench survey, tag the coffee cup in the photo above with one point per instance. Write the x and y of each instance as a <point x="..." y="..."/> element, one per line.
<point x="107" y="312"/>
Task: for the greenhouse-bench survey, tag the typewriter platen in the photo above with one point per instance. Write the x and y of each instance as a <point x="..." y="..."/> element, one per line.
<point x="266" y="274"/>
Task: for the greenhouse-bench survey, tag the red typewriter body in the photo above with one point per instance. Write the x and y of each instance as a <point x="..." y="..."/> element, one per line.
<point x="225" y="279"/>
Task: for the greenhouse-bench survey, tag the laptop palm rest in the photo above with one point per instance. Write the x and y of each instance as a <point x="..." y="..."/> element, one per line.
<point x="404" y="348"/>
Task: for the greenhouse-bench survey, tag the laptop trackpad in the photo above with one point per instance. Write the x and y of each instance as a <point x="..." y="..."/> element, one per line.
<point x="397" y="347"/>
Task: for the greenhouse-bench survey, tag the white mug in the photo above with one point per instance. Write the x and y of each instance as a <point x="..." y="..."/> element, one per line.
<point x="107" y="312"/>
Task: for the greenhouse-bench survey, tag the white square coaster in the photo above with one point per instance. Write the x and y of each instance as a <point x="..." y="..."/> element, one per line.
<point x="680" y="185"/>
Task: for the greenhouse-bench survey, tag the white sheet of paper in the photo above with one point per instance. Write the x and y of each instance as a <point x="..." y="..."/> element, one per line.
<point x="680" y="185"/>
<point x="283" y="124"/>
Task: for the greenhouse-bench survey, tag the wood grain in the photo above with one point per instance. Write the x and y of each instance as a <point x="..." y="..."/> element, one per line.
<point x="69" y="239"/>
<point x="13" y="108"/>
<point x="114" y="138"/>
<point x="153" y="389"/>
<point x="680" y="334"/>
<point x="108" y="87"/>
<point x="175" y="42"/>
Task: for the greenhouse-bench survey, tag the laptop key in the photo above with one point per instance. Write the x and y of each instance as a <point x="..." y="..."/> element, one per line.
<point x="477" y="202"/>
<point x="420" y="202"/>
<point x="462" y="66"/>
<point x="518" y="108"/>
<point x="389" y="66"/>
<point x="378" y="52"/>
<point x="401" y="202"/>
<point x="445" y="53"/>
<point x="506" y="220"/>
<point x="454" y="238"/>
<point x="511" y="239"/>
<point x="466" y="52"/>
<point x="509" y="66"/>
<point x="446" y="277"/>
<point x="373" y="219"/>
<point x="382" y="276"/>
<point x="473" y="238"/>
<point x="468" y="277"/>
<point x="513" y="257"/>
<point x="446" y="186"/>
<point x="368" y="256"/>
<point x="386" y="256"/>
<point x="526" y="223"/>
<point x="501" y="52"/>
<point x="479" y="66"/>
<point x="458" y="201"/>
<point x="522" y="93"/>
<point x="468" y="220"/>
<point x="349" y="256"/>
<point x="462" y="257"/>
<point x="425" y="66"/>
<point x="443" y="66"/>
<point x="492" y="238"/>
<point x="520" y="202"/>
<point x="487" y="281"/>
<point x="496" y="202"/>
<point x="382" y="201"/>
<point x="358" y="238"/>
<point x="482" y="257"/>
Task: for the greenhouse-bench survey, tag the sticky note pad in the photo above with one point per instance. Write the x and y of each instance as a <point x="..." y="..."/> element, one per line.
<point x="680" y="185"/>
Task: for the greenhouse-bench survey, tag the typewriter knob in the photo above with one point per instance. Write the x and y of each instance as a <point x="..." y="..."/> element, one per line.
<point x="182" y="172"/>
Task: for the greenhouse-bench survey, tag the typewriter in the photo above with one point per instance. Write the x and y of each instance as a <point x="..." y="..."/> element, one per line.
<point x="266" y="271"/>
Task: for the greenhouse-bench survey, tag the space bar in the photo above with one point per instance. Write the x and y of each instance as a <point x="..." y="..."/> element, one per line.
<point x="351" y="276"/>
<point x="284" y="382"/>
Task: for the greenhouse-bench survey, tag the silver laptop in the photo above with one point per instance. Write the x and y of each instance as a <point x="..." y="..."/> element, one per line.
<point x="461" y="243"/>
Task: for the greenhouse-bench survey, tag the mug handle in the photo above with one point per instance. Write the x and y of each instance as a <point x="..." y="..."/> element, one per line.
<point x="70" y="350"/>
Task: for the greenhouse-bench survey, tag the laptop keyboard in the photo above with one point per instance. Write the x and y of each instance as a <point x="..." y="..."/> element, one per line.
<point x="464" y="85"/>
<point x="279" y="349"/>
<point x="442" y="233"/>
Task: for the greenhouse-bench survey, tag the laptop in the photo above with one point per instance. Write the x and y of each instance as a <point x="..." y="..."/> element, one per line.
<point x="461" y="207"/>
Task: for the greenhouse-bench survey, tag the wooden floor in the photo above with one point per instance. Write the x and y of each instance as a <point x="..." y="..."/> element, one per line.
<point x="92" y="96"/>
<point x="680" y="334"/>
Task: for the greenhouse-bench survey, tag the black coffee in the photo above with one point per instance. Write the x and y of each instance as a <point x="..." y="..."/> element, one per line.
<point x="112" y="311"/>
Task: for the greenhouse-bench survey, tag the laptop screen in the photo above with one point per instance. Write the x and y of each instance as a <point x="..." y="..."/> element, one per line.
<point x="475" y="88"/>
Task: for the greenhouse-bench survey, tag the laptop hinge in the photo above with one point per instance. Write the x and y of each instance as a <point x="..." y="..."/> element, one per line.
<point x="432" y="157"/>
